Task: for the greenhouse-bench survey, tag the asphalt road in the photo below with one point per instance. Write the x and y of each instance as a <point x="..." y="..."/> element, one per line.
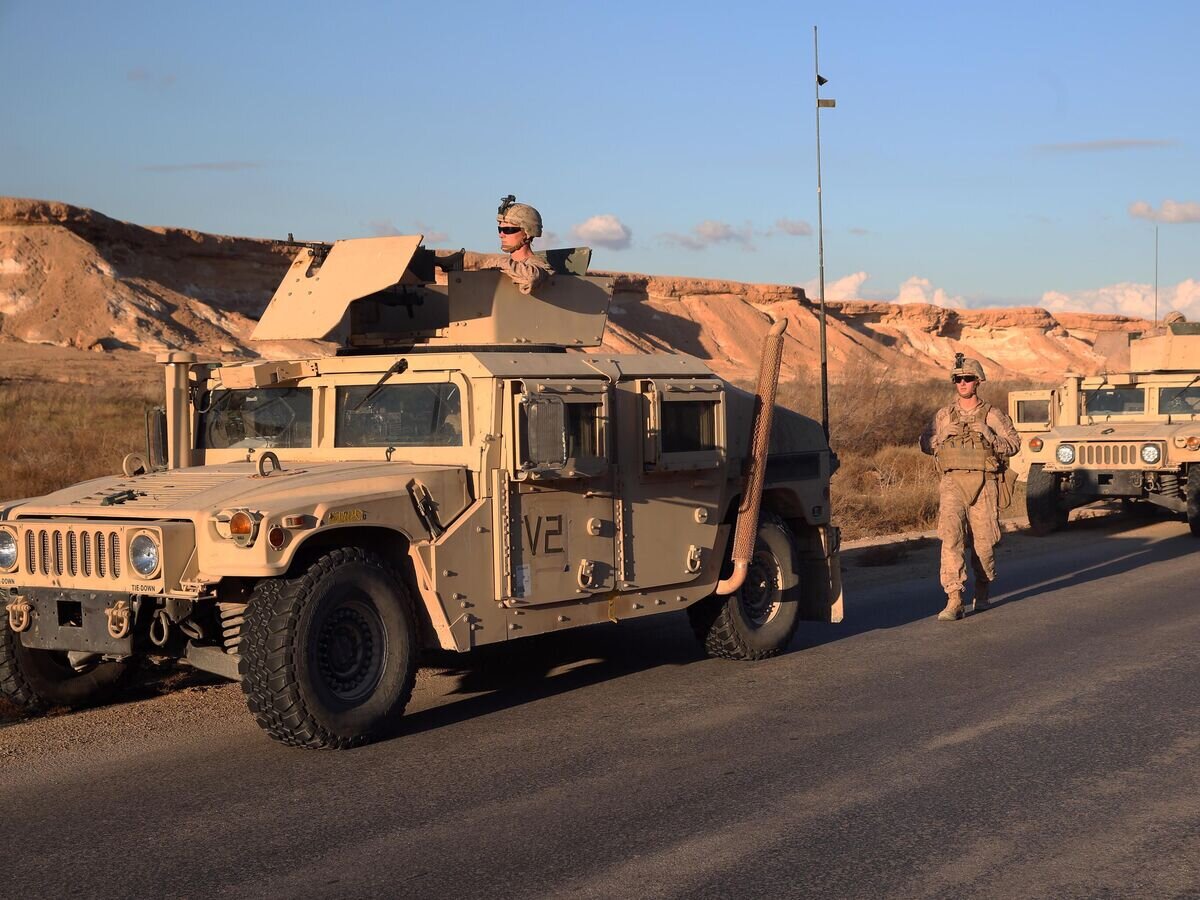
<point x="1049" y="747"/>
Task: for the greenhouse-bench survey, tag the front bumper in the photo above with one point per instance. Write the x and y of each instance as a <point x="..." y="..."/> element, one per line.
<point x="84" y="621"/>
<point x="1101" y="483"/>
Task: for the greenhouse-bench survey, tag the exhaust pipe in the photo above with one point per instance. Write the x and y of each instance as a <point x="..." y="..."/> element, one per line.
<point x="746" y="529"/>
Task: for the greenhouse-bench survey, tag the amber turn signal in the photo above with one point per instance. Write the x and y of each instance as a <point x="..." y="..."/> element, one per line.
<point x="241" y="523"/>
<point x="1035" y="444"/>
<point x="1193" y="443"/>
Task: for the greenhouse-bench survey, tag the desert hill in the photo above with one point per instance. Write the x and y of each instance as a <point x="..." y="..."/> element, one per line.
<point x="74" y="278"/>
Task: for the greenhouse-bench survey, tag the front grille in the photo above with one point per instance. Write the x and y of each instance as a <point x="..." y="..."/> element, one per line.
<point x="1112" y="454"/>
<point x="61" y="551"/>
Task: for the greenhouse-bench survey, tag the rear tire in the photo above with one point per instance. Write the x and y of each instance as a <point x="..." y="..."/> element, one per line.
<point x="759" y="619"/>
<point x="35" y="679"/>
<point x="329" y="658"/>
<point x="1043" y="501"/>
<point x="1193" y="500"/>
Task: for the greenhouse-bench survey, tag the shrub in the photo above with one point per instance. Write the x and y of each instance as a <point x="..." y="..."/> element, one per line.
<point x="54" y="435"/>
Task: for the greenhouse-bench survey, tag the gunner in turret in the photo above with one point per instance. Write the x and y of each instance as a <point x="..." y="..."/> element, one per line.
<point x="517" y="224"/>
<point x="971" y="439"/>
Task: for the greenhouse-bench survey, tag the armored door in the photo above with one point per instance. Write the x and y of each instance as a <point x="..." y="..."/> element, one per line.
<point x="556" y="514"/>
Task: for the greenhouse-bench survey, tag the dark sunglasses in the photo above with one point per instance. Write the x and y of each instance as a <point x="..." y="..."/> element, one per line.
<point x="964" y="379"/>
<point x="508" y="229"/>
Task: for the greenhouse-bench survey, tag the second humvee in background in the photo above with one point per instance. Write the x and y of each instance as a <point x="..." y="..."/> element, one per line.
<point x="1132" y="435"/>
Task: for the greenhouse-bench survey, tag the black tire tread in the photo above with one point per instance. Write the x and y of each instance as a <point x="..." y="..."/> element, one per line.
<point x="1192" y="493"/>
<point x="267" y="653"/>
<point x="712" y="619"/>
<point x="13" y="685"/>
<point x="1042" y="502"/>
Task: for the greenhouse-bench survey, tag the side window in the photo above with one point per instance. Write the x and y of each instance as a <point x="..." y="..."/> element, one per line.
<point x="689" y="426"/>
<point x="583" y="430"/>
<point x="1033" y="411"/>
<point x="684" y="425"/>
<point x="584" y="411"/>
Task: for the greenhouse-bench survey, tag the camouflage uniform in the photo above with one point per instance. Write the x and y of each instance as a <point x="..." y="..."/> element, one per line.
<point x="969" y="498"/>
<point x="526" y="274"/>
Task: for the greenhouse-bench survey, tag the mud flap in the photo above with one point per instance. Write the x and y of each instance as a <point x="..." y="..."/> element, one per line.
<point x="819" y="561"/>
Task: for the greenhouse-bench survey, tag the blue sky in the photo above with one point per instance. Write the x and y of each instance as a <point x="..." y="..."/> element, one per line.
<point x="1013" y="154"/>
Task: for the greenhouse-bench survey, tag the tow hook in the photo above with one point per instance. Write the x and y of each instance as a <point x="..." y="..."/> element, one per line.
<point x="19" y="618"/>
<point x="120" y="620"/>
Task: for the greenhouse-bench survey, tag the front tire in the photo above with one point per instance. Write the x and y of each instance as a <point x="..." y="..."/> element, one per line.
<point x="758" y="620"/>
<point x="1193" y="500"/>
<point x="329" y="658"/>
<point x="35" y="679"/>
<point x="1043" y="503"/>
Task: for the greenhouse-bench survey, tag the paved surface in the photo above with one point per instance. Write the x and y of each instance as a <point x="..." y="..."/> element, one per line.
<point x="1049" y="747"/>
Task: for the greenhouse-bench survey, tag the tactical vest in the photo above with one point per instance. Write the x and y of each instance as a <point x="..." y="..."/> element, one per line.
<point x="966" y="450"/>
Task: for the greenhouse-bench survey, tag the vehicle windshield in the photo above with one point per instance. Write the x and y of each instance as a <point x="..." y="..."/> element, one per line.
<point x="259" y="417"/>
<point x="1179" y="401"/>
<point x="399" y="415"/>
<point x="1114" y="401"/>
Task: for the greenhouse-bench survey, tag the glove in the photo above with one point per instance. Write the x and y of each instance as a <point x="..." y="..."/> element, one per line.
<point x="981" y="428"/>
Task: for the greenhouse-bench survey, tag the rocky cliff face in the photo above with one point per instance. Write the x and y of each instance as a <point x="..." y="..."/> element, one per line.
<point x="72" y="277"/>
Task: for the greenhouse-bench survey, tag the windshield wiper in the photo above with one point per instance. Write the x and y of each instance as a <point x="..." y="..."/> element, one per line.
<point x="398" y="367"/>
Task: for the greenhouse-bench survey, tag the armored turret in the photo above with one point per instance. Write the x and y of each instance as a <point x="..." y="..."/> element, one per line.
<point x="1174" y="347"/>
<point x="383" y="293"/>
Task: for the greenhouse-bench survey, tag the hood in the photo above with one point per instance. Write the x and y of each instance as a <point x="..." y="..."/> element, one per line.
<point x="1126" y="431"/>
<point x="189" y="492"/>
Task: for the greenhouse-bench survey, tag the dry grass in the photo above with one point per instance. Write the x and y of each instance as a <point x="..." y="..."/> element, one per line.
<point x="885" y="484"/>
<point x="54" y="435"/>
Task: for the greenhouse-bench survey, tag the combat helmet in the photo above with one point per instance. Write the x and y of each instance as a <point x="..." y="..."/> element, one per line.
<point x="521" y="215"/>
<point x="965" y="366"/>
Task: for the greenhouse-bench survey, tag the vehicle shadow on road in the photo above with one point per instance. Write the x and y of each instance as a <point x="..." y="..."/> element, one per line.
<point x="500" y="677"/>
<point x="900" y="602"/>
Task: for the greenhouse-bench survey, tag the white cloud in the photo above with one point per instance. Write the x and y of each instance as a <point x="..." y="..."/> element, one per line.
<point x="796" y="227"/>
<point x="1171" y="212"/>
<point x="919" y="290"/>
<point x="1129" y="299"/>
<point x="844" y="288"/>
<point x="1103" y="145"/>
<point x="914" y="290"/>
<point x="710" y="232"/>
<point x="604" y="230"/>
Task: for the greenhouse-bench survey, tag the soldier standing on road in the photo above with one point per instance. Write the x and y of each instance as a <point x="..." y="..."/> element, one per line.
<point x="518" y="224"/>
<point x="970" y="440"/>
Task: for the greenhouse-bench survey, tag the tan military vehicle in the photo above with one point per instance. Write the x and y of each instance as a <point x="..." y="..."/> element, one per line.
<point x="1132" y="435"/>
<point x="462" y="472"/>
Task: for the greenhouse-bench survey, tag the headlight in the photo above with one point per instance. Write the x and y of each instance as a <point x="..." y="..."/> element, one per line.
<point x="1065" y="454"/>
<point x="8" y="549"/>
<point x="1150" y="454"/>
<point x="144" y="555"/>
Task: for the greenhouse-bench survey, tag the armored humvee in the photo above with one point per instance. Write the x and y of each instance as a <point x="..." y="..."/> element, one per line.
<point x="1132" y="435"/>
<point x="463" y="471"/>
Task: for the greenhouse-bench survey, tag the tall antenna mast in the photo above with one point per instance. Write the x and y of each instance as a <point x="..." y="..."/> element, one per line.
<point x="1155" y="274"/>
<point x="821" y="104"/>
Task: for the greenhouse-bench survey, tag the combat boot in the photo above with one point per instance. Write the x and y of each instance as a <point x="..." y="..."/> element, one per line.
<point x="954" y="607"/>
<point x="983" y="590"/>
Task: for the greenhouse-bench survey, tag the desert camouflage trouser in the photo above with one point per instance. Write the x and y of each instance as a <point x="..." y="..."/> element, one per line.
<point x="958" y="519"/>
